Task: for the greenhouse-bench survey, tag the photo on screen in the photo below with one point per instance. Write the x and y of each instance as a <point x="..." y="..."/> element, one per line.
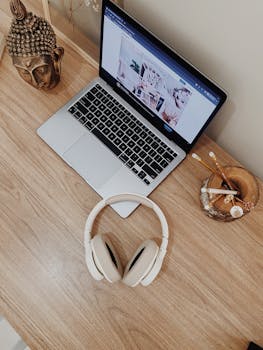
<point x="155" y="88"/>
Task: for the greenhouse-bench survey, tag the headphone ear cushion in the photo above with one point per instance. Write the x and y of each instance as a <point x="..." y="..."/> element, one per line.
<point x="92" y="267"/>
<point x="106" y="258"/>
<point x="141" y="263"/>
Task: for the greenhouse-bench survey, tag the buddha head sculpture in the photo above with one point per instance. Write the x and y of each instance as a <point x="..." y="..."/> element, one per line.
<point x="31" y="43"/>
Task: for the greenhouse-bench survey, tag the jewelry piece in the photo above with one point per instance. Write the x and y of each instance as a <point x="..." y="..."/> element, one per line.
<point x="236" y="211"/>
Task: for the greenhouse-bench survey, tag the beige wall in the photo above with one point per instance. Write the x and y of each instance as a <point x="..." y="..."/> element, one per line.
<point x="224" y="40"/>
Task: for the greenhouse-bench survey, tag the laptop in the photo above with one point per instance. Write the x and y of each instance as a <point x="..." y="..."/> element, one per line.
<point x="129" y="129"/>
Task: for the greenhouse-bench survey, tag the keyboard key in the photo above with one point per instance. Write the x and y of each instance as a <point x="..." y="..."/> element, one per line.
<point x="158" y="158"/>
<point x="77" y="114"/>
<point x="149" y="171"/>
<point x="160" y="150"/>
<point x="109" y="123"/>
<point x="125" y="119"/>
<point x="98" y="113"/>
<point x="81" y="108"/>
<point x="142" y="174"/>
<point x="95" y="121"/>
<point x="112" y="136"/>
<point x="154" y="145"/>
<point x="114" y="128"/>
<point x="130" y="164"/>
<point x="134" y="157"/>
<point x="156" y="167"/>
<point x="117" y="142"/>
<point x="72" y="110"/>
<point x="148" y="159"/>
<point x="168" y="157"/>
<point x="143" y="134"/>
<point x="94" y="90"/>
<point x="90" y="96"/>
<point x="141" y="142"/>
<point x="164" y="164"/>
<point x="124" y="158"/>
<point x="123" y="146"/>
<point x="96" y="102"/>
<point x="132" y="124"/>
<point x="110" y="104"/>
<point x="115" y="109"/>
<point x="85" y="102"/>
<point x="89" y="125"/>
<point x="128" y="151"/>
<point x="136" y="149"/>
<point x="125" y="138"/>
<point x="113" y="117"/>
<point x="140" y="162"/>
<point x="104" y="100"/>
<point x="99" y="95"/>
<point x="92" y="108"/>
<point x="135" y="137"/>
<point x="149" y="140"/>
<point x="135" y="170"/>
<point x="90" y="116"/>
<point x="106" y="131"/>
<point x="118" y="122"/>
<point x="142" y="154"/>
<point x="131" y="144"/>
<point x="106" y="142"/>
<point x="152" y="153"/>
<point x="83" y="120"/>
<point x="120" y="133"/>
<point x="102" y="107"/>
<point x="124" y="127"/>
<point x="103" y="118"/>
<point x="129" y="132"/>
<point x="137" y="129"/>
<point x="107" y="112"/>
<point x="101" y="126"/>
<point x="146" y="181"/>
<point x="146" y="148"/>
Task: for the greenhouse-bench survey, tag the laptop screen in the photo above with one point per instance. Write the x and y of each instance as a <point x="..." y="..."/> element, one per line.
<point x="165" y="88"/>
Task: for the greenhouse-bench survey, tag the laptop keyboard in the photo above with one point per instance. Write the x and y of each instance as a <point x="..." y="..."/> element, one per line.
<point x="126" y="136"/>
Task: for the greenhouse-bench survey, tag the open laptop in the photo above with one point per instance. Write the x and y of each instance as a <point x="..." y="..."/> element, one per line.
<point x="130" y="127"/>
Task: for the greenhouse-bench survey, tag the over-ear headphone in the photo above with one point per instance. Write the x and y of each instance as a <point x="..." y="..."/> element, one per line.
<point x="102" y="259"/>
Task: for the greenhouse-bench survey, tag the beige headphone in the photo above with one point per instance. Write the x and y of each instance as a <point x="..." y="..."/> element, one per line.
<point x="102" y="259"/>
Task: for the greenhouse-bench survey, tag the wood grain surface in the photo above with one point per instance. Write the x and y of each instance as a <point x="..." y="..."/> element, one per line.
<point x="209" y="292"/>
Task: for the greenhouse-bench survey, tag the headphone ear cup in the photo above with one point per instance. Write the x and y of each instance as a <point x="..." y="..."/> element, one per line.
<point x="93" y="269"/>
<point x="141" y="263"/>
<point x="106" y="258"/>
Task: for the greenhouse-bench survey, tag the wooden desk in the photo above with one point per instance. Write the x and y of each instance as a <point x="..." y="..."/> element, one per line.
<point x="209" y="292"/>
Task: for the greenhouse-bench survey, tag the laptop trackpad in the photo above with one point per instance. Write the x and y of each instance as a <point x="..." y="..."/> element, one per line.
<point x="92" y="160"/>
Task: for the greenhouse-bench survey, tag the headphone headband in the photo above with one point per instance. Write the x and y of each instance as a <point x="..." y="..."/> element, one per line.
<point x="127" y="197"/>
